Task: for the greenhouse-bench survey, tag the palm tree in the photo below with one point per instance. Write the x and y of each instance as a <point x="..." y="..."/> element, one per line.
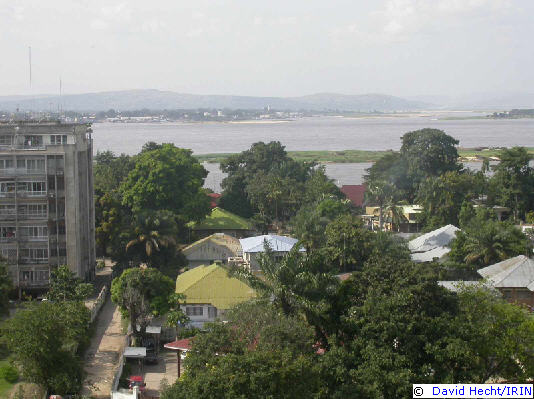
<point x="154" y="230"/>
<point x="395" y="213"/>
<point x="381" y="193"/>
<point x="486" y="245"/>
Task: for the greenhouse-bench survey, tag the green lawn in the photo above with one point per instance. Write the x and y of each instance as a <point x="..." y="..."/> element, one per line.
<point x="5" y="386"/>
<point x="352" y="156"/>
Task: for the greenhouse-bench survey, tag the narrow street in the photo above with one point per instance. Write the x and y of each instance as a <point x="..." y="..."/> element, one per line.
<point x="102" y="356"/>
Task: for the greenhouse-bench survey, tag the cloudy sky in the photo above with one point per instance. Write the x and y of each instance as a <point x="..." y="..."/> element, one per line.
<point x="276" y="47"/>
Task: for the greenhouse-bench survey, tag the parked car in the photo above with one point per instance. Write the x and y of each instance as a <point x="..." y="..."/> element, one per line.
<point x="136" y="381"/>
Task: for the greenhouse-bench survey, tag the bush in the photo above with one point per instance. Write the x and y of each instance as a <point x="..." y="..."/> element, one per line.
<point x="9" y="373"/>
<point x="100" y="264"/>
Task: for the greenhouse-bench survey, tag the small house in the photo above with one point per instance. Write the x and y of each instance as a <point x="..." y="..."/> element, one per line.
<point x="252" y="246"/>
<point x="217" y="247"/>
<point x="209" y="292"/>
<point x="514" y="278"/>
<point x="433" y="245"/>
<point x="407" y="223"/>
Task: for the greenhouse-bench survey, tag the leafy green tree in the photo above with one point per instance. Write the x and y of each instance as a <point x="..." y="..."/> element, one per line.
<point x="429" y="152"/>
<point x="513" y="182"/>
<point x="110" y="170"/>
<point x="167" y="178"/>
<point x="142" y="293"/>
<point x="392" y="168"/>
<point x="154" y="231"/>
<point x="65" y="286"/>
<point x="485" y="241"/>
<point x="442" y="197"/>
<point x="175" y="316"/>
<point x="112" y="225"/>
<point x="43" y="338"/>
<point x="348" y="245"/>
<point x="381" y="194"/>
<point x="309" y="224"/>
<point x="494" y="339"/>
<point x="264" y="169"/>
<point x="6" y="285"/>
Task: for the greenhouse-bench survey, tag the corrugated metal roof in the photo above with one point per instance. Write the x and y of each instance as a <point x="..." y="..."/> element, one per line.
<point x="275" y="242"/>
<point x="437" y="238"/>
<point x="456" y="286"/>
<point x="222" y="239"/>
<point x="429" y="256"/>
<point x="517" y="272"/>
<point x="212" y="285"/>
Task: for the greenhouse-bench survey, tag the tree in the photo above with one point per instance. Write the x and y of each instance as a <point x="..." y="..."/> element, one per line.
<point x="142" y="293"/>
<point x="167" y="178"/>
<point x="65" y="286"/>
<point x="486" y="241"/>
<point x="381" y="193"/>
<point x="392" y="169"/>
<point x="6" y="286"/>
<point x="442" y="197"/>
<point x="110" y="170"/>
<point x="513" y="182"/>
<point x="429" y="152"/>
<point x="264" y="169"/>
<point x="348" y="245"/>
<point x="43" y="338"/>
<point x="154" y="231"/>
<point x="267" y="351"/>
<point x="309" y="224"/>
<point x="112" y="225"/>
<point x="495" y="338"/>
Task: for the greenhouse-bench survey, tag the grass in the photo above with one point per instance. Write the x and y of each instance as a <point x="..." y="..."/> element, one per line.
<point x="5" y="387"/>
<point x="352" y="156"/>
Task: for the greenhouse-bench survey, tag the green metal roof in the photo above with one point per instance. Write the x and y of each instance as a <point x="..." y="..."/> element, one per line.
<point x="212" y="285"/>
<point x="220" y="219"/>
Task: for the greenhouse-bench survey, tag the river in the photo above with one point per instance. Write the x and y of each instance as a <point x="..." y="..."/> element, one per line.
<point x="314" y="133"/>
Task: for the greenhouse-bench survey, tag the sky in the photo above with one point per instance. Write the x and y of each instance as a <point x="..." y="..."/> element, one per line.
<point x="268" y="48"/>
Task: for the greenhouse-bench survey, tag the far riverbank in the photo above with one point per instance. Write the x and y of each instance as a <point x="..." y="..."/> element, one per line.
<point x="360" y="156"/>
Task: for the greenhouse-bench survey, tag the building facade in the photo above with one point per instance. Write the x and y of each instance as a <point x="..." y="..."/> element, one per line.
<point x="46" y="201"/>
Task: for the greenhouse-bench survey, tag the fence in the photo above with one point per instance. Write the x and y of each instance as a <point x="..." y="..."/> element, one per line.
<point x="99" y="303"/>
<point x="115" y="385"/>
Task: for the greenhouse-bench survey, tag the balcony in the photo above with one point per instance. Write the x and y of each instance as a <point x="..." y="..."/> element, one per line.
<point x="32" y="261"/>
<point x="34" y="238"/>
<point x="21" y="172"/>
<point x="31" y="194"/>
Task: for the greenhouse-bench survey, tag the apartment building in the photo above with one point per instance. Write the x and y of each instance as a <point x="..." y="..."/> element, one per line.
<point x="46" y="201"/>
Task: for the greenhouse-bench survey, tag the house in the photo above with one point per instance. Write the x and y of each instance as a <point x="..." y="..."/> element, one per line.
<point x="222" y="221"/>
<point x="354" y="193"/>
<point x="408" y="224"/>
<point x="209" y="292"/>
<point x="514" y="278"/>
<point x="208" y="250"/>
<point x="252" y="246"/>
<point x="433" y="245"/>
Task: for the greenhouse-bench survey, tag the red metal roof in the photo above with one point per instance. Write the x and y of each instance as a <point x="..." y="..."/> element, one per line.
<point x="181" y="344"/>
<point x="354" y="193"/>
<point x="214" y="199"/>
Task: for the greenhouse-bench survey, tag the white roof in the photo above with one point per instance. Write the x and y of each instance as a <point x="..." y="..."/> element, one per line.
<point x="437" y="238"/>
<point x="135" y="352"/>
<point x="275" y="242"/>
<point x="429" y="256"/>
<point x="517" y="272"/>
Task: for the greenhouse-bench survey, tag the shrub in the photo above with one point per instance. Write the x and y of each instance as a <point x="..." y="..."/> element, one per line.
<point x="100" y="264"/>
<point x="9" y="373"/>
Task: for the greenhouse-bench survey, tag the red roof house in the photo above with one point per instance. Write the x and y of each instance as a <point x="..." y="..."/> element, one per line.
<point x="354" y="193"/>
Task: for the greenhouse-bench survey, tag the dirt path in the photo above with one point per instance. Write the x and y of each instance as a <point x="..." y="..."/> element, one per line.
<point x="102" y="357"/>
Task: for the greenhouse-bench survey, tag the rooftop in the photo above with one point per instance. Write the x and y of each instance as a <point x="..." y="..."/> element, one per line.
<point x="437" y="238"/>
<point x="221" y="239"/>
<point x="221" y="219"/>
<point x="517" y="272"/>
<point x="212" y="285"/>
<point x="275" y="242"/>
<point x="354" y="192"/>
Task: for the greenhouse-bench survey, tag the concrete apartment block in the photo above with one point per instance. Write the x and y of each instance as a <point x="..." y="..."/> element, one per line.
<point x="47" y="215"/>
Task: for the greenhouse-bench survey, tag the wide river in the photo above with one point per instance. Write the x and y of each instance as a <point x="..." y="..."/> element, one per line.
<point x="315" y="133"/>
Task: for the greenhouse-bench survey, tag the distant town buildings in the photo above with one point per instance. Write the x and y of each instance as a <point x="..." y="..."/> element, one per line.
<point x="46" y="200"/>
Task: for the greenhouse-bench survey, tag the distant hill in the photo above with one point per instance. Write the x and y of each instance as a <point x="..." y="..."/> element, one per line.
<point x="155" y="99"/>
<point x="481" y="101"/>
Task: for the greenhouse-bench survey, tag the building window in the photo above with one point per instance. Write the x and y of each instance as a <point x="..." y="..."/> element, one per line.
<point x="507" y="294"/>
<point x="33" y="210"/>
<point x="6" y="163"/>
<point x="26" y="275"/>
<point x="58" y="139"/>
<point x="35" y="232"/>
<point x="42" y="275"/>
<point x="32" y="188"/>
<point x="194" y="311"/>
<point x="7" y="210"/>
<point x="34" y="255"/>
<point x="33" y="141"/>
<point x="212" y="312"/>
<point x="523" y="295"/>
<point x="6" y="139"/>
<point x="7" y="233"/>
